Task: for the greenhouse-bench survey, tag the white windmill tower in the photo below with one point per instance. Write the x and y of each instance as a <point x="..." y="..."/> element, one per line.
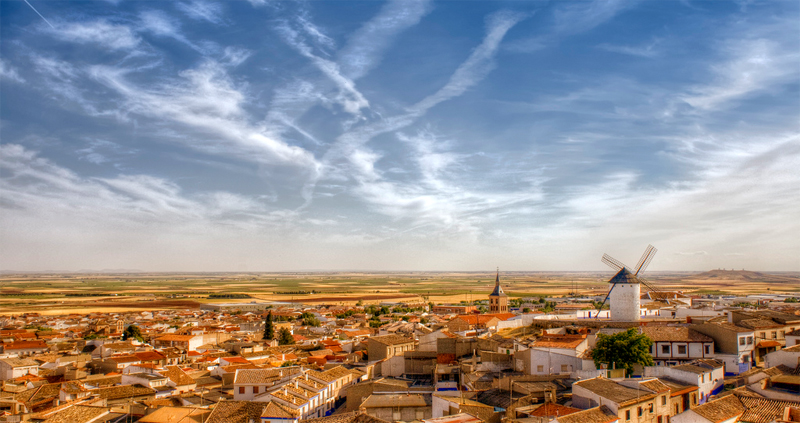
<point x="625" y="287"/>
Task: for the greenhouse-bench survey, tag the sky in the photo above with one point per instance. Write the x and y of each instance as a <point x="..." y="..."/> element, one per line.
<point x="268" y="135"/>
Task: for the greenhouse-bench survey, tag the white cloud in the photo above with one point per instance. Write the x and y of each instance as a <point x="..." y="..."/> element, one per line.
<point x="754" y="66"/>
<point x="205" y="99"/>
<point x="235" y="56"/>
<point x="348" y="96"/>
<point x="477" y="65"/>
<point x="202" y="10"/>
<point x="160" y="24"/>
<point x="647" y="51"/>
<point x="581" y="16"/>
<point x="101" y="32"/>
<point x="366" y="46"/>
<point x="9" y="73"/>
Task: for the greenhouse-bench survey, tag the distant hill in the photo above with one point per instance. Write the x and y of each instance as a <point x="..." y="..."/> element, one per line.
<point x="744" y="275"/>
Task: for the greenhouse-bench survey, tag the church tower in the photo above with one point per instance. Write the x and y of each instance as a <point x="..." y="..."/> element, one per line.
<point x="498" y="300"/>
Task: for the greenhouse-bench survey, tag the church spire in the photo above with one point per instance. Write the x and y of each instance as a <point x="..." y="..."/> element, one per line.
<point x="497" y="279"/>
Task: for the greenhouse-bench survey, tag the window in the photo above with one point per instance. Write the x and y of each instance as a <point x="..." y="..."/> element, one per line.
<point x="540" y="369"/>
<point x="741" y="341"/>
<point x="650" y="407"/>
<point x="639" y="411"/>
<point x="708" y="349"/>
<point x="681" y="349"/>
<point x="665" y="349"/>
<point x="774" y="335"/>
<point x="563" y="367"/>
<point x="763" y="335"/>
<point x="255" y="389"/>
<point x="749" y="340"/>
<point x="664" y="400"/>
<point x="241" y="389"/>
<point x="627" y="414"/>
<point x="781" y="334"/>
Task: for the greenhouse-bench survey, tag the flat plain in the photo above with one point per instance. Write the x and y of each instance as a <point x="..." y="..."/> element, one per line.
<point x="66" y="293"/>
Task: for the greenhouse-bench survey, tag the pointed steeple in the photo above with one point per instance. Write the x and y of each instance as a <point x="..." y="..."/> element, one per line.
<point x="498" y="291"/>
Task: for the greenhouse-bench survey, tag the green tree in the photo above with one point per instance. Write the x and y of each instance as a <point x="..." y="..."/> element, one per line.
<point x="269" y="327"/>
<point x="285" y="337"/>
<point x="622" y="350"/>
<point x="132" y="332"/>
<point x="359" y="303"/>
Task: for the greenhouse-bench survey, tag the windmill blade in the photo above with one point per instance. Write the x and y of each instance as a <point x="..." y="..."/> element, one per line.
<point x="649" y="253"/>
<point x="645" y="255"/>
<point x="658" y="293"/>
<point x="612" y="262"/>
<point x="604" y="301"/>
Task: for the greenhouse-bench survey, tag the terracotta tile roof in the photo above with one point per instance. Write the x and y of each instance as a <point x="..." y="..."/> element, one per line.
<point x="655" y="385"/>
<point x="391" y="339"/>
<point x="720" y="410"/>
<point x="236" y="412"/>
<point x="123" y="391"/>
<point x="78" y="414"/>
<point x="551" y="409"/>
<point x="276" y="410"/>
<point x="24" y="345"/>
<point x="289" y="396"/>
<point x="353" y="417"/>
<point x="600" y="414"/>
<point x="178" y="376"/>
<point x="150" y="356"/>
<point x="401" y="400"/>
<point x="263" y="376"/>
<point x="613" y="391"/>
<point x="661" y="333"/>
<point x="176" y="338"/>
<point x="559" y="341"/>
<point x="174" y="415"/>
<point x="691" y="368"/>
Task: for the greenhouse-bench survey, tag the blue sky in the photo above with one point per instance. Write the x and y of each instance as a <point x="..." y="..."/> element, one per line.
<point x="400" y="135"/>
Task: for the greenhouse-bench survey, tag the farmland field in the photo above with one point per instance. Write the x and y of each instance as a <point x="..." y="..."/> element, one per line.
<point x="82" y="293"/>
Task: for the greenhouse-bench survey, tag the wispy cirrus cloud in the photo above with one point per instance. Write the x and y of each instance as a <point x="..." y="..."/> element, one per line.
<point x="205" y="99"/>
<point x="10" y="73"/>
<point x="581" y="17"/>
<point x="647" y="51"/>
<point x="100" y="32"/>
<point x="753" y="66"/>
<point x="202" y="10"/>
<point x="367" y="45"/>
<point x="434" y="201"/>
<point x="351" y="100"/>
<point x="160" y="24"/>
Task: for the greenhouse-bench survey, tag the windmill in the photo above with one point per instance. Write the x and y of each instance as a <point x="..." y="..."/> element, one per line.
<point x="627" y="282"/>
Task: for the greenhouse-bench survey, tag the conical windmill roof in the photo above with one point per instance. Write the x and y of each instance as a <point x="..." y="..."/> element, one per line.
<point x="624" y="276"/>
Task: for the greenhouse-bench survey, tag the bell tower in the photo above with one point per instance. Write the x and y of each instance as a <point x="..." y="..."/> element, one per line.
<point x="498" y="300"/>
